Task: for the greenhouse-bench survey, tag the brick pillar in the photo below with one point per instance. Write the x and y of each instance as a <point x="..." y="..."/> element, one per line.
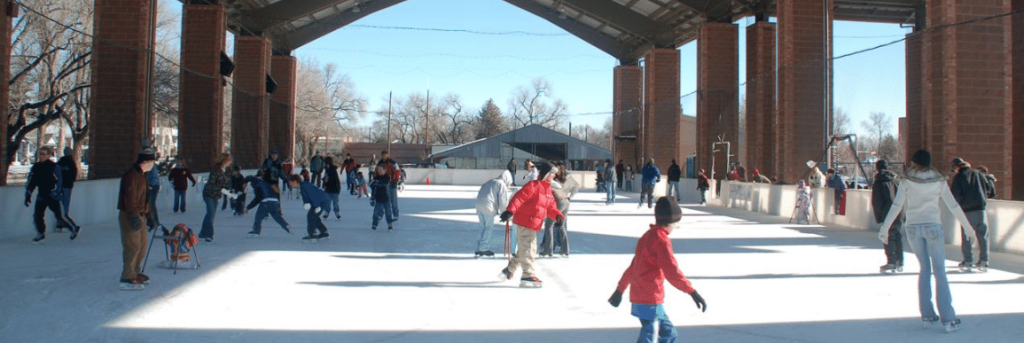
<point x="250" y="102"/>
<point x="201" y="99"/>
<point x="761" y="115"/>
<point x="5" y="74"/>
<point x="966" y="101"/>
<point x="805" y="41"/>
<point x="121" y="60"/>
<point x="717" y="89"/>
<point x="661" y="107"/>
<point x="1016" y="180"/>
<point x="282" y="105"/>
<point x="915" y="127"/>
<point x="627" y="99"/>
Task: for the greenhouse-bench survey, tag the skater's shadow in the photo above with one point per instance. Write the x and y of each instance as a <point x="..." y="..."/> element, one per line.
<point x="417" y="284"/>
<point x="407" y="257"/>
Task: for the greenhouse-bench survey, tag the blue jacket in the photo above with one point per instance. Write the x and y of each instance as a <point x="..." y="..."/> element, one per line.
<point x="651" y="174"/>
<point x="313" y="195"/>
<point x="836" y="182"/>
<point x="153" y="178"/>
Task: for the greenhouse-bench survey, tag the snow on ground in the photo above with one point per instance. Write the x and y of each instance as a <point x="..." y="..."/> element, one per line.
<point x="764" y="281"/>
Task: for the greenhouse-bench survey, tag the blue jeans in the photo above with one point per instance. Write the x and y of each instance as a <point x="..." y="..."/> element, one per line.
<point x="381" y="209"/>
<point x="673" y="188"/>
<point x="978" y="220"/>
<point x="393" y="195"/>
<point x="154" y="216"/>
<point x="66" y="199"/>
<point x="610" y="190"/>
<point x="272" y="208"/>
<point x="211" y="214"/>
<point x="929" y="246"/>
<point x="649" y="315"/>
<point x="703" y="195"/>
<point x="313" y="222"/>
<point x="179" y="199"/>
<point x="486" y="226"/>
<point x="333" y="204"/>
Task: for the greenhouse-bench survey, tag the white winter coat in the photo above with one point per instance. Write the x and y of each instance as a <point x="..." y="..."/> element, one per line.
<point x="919" y="195"/>
<point x="493" y="196"/>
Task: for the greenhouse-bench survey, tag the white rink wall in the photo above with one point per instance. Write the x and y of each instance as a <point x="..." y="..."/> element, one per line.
<point x="1005" y="218"/>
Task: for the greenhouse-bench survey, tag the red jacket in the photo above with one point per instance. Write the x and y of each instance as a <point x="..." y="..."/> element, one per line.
<point x="532" y="203"/>
<point x="652" y="264"/>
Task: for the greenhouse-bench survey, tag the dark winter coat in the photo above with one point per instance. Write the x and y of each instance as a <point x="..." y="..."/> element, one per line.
<point x="609" y="173"/>
<point x="531" y="204"/>
<point x="316" y="164"/>
<point x="180" y="178"/>
<point x="133" y="197"/>
<point x="69" y="171"/>
<point x="237" y="182"/>
<point x="674" y="173"/>
<point x="883" y="190"/>
<point x="47" y="176"/>
<point x="969" y="189"/>
<point x="153" y="179"/>
<point x="332" y="183"/>
<point x="272" y="170"/>
<point x="392" y="171"/>
<point x="651" y="174"/>
<point x="216" y="182"/>
<point x="379" y="188"/>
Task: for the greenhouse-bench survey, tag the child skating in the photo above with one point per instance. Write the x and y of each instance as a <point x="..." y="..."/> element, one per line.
<point x="527" y="209"/>
<point x="313" y="199"/>
<point x="652" y="264"/>
<point x="381" y="198"/>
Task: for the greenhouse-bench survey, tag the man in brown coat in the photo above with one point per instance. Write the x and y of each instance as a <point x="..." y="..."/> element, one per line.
<point x="133" y="203"/>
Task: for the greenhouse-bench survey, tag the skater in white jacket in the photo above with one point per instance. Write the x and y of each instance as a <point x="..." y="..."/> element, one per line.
<point x="490" y="202"/>
<point x="918" y="196"/>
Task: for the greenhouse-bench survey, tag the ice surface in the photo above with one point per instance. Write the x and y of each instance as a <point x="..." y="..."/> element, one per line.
<point x="764" y="281"/>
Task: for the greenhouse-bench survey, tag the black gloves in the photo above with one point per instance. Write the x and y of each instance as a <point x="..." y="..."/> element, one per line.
<point x="136" y="222"/>
<point x="615" y="299"/>
<point x="699" y="300"/>
<point x="560" y="221"/>
<point x="28" y="198"/>
<point x="505" y="216"/>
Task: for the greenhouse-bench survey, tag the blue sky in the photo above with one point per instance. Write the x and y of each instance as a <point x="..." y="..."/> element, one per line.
<point x="481" y="66"/>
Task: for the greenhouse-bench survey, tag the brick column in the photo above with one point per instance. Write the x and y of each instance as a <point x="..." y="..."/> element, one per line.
<point x="915" y="127"/>
<point x="201" y="99"/>
<point x="250" y="102"/>
<point x="761" y="115"/>
<point x="121" y="61"/>
<point x="5" y="74"/>
<point x="805" y="41"/>
<point x="627" y="99"/>
<point x="282" y="105"/>
<point x="717" y="89"/>
<point x="966" y="100"/>
<point x="661" y="107"/>
<point x="1016" y="180"/>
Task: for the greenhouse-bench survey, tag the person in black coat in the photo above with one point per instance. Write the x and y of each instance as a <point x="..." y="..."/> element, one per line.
<point x="69" y="173"/>
<point x="332" y="185"/>
<point x="883" y="190"/>
<point x="512" y="169"/>
<point x="969" y="190"/>
<point x="47" y="176"/>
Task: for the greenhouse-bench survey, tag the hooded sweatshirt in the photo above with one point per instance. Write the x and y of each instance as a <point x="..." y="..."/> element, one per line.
<point x="919" y="195"/>
<point x="883" y="190"/>
<point x="493" y="195"/>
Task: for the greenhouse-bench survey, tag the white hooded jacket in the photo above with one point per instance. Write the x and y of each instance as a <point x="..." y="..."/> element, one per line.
<point x="493" y="196"/>
<point x="919" y="195"/>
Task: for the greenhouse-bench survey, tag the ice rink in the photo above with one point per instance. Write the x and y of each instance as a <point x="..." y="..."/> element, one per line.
<point x="764" y="281"/>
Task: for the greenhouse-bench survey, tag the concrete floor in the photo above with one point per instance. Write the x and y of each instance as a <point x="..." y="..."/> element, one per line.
<point x="764" y="281"/>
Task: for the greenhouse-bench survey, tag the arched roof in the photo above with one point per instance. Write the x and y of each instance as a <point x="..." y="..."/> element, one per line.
<point x="625" y="29"/>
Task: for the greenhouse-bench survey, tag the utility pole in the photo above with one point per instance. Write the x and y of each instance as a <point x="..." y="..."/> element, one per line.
<point x="426" y="129"/>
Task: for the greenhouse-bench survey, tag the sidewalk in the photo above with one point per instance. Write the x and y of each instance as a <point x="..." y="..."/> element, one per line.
<point x="764" y="280"/>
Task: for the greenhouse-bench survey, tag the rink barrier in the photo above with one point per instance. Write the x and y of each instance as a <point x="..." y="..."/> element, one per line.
<point x="1005" y="218"/>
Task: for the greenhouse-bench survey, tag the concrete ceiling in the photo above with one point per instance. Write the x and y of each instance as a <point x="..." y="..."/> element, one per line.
<point x="625" y="29"/>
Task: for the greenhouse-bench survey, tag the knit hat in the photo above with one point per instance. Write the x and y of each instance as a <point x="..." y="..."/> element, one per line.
<point x="542" y="170"/>
<point x="881" y="165"/>
<point x="147" y="154"/>
<point x="667" y="211"/>
<point x="922" y="158"/>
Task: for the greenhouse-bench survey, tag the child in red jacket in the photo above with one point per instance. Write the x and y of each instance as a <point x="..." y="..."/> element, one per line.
<point x="527" y="209"/>
<point x="652" y="264"/>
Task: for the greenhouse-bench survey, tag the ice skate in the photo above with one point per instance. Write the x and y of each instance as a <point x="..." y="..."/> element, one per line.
<point x="928" y="322"/>
<point x="952" y="326"/>
<point x="564" y="254"/>
<point x="505" y="275"/>
<point x="530" y="282"/>
<point x="484" y="253"/>
<point x="131" y="285"/>
<point x="143" y="279"/>
<point x="965" y="267"/>
<point x="77" y="229"/>
<point x="39" y="238"/>
<point x="544" y="253"/>
<point x="323" y="235"/>
<point x="890" y="268"/>
<point x="253" y="234"/>
<point x="982" y="266"/>
<point x="287" y="229"/>
<point x="310" y="239"/>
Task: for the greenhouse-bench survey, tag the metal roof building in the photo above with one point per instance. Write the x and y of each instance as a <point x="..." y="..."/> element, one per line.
<point x="531" y="142"/>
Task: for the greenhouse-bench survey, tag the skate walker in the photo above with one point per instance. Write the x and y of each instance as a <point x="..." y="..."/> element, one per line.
<point x="179" y="247"/>
<point x="508" y="240"/>
<point x="811" y="212"/>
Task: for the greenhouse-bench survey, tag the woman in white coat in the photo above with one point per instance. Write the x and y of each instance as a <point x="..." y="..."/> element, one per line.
<point x="919" y="195"/>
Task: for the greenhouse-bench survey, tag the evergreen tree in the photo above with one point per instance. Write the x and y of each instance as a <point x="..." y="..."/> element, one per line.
<point x="490" y="122"/>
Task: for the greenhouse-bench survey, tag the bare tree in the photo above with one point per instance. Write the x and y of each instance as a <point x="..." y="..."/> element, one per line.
<point x="325" y="102"/>
<point x="877" y="125"/>
<point x="529" y="106"/>
<point x="457" y="125"/>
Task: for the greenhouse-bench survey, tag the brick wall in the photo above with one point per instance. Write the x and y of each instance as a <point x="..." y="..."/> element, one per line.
<point x="915" y="94"/>
<point x="967" y="104"/>
<point x="122" y="33"/>
<point x="761" y="115"/>
<point x="5" y="74"/>
<point x="1016" y="181"/>
<point x="282" y="105"/>
<point x="627" y="99"/>
<point x="802" y="109"/>
<point x="201" y="102"/>
<point x="661" y="106"/>
<point x="250" y="103"/>
<point x="717" y="102"/>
